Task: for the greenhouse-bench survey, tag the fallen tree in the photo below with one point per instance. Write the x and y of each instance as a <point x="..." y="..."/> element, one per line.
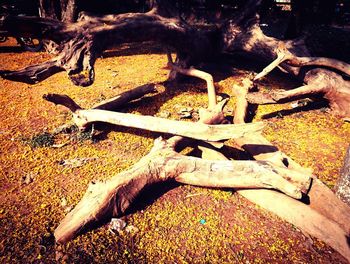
<point x="113" y="197"/>
<point x="82" y="42"/>
<point x="79" y="45"/>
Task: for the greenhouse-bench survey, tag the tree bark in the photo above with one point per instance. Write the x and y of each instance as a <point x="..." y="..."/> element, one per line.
<point x="342" y="188"/>
<point x="197" y="131"/>
<point x="82" y="42"/>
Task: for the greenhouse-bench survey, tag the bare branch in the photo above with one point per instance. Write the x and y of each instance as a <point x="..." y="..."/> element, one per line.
<point x="320" y="61"/>
<point x="186" y="129"/>
<point x="113" y="197"/>
<point x="123" y="98"/>
<point x="281" y="57"/>
<point x="199" y="74"/>
<point x="64" y="100"/>
<point x="33" y="74"/>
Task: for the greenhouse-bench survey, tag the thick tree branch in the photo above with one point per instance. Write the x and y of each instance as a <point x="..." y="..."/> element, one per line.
<point x="320" y="61"/>
<point x="33" y="74"/>
<point x="192" y="130"/>
<point x="123" y="98"/>
<point x="208" y="78"/>
<point x="114" y="196"/>
<point x="281" y="57"/>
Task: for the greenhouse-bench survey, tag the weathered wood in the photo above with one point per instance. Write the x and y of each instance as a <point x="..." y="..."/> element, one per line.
<point x="182" y="128"/>
<point x="122" y="99"/>
<point x="186" y="129"/>
<point x="342" y="188"/>
<point x="208" y="78"/>
<point x="112" y="197"/>
<point x="321" y="199"/>
<point x="303" y="217"/>
<point x="322" y="81"/>
<point x="324" y="209"/>
<point x="82" y="42"/>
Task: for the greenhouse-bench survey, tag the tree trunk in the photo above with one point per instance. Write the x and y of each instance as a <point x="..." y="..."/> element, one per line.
<point x="82" y="42"/>
<point x="60" y="10"/>
<point x="342" y="188"/>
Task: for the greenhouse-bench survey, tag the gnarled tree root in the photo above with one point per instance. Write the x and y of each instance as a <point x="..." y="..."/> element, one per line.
<point x="114" y="196"/>
<point x="111" y="198"/>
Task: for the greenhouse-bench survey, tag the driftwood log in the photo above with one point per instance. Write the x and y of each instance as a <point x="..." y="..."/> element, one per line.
<point x="111" y="198"/>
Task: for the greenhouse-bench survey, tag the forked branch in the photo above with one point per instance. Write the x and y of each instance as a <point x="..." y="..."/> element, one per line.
<point x="114" y="196"/>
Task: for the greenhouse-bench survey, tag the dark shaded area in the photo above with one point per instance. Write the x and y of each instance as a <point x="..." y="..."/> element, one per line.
<point x="259" y="149"/>
<point x="150" y="194"/>
<point x="11" y="49"/>
<point x="315" y="105"/>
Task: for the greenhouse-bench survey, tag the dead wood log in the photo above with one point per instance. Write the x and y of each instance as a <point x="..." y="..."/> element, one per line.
<point x="342" y="188"/>
<point x="112" y="197"/>
<point x="321" y="198"/>
<point x="192" y="130"/>
<point x="309" y="218"/>
<point x="82" y="42"/>
<point x="323" y="208"/>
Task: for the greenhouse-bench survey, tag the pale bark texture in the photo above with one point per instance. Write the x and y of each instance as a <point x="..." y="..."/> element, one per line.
<point x="342" y="187"/>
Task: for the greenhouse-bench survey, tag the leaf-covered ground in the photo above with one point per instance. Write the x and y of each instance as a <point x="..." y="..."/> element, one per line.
<point x="172" y="223"/>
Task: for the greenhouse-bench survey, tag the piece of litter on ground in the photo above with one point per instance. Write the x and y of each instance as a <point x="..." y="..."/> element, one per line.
<point x="64" y="202"/>
<point x="27" y="179"/>
<point x="185" y="115"/>
<point x="202" y="221"/>
<point x="75" y="163"/>
<point x="60" y="145"/>
<point x="193" y="195"/>
<point x="116" y="224"/>
<point x="294" y="105"/>
<point x="131" y="229"/>
<point x="185" y="112"/>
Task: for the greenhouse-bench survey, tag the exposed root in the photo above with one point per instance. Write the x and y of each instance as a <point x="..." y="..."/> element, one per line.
<point x="199" y="74"/>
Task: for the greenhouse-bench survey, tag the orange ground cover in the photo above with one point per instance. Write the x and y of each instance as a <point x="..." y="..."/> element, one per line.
<point x="169" y="226"/>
